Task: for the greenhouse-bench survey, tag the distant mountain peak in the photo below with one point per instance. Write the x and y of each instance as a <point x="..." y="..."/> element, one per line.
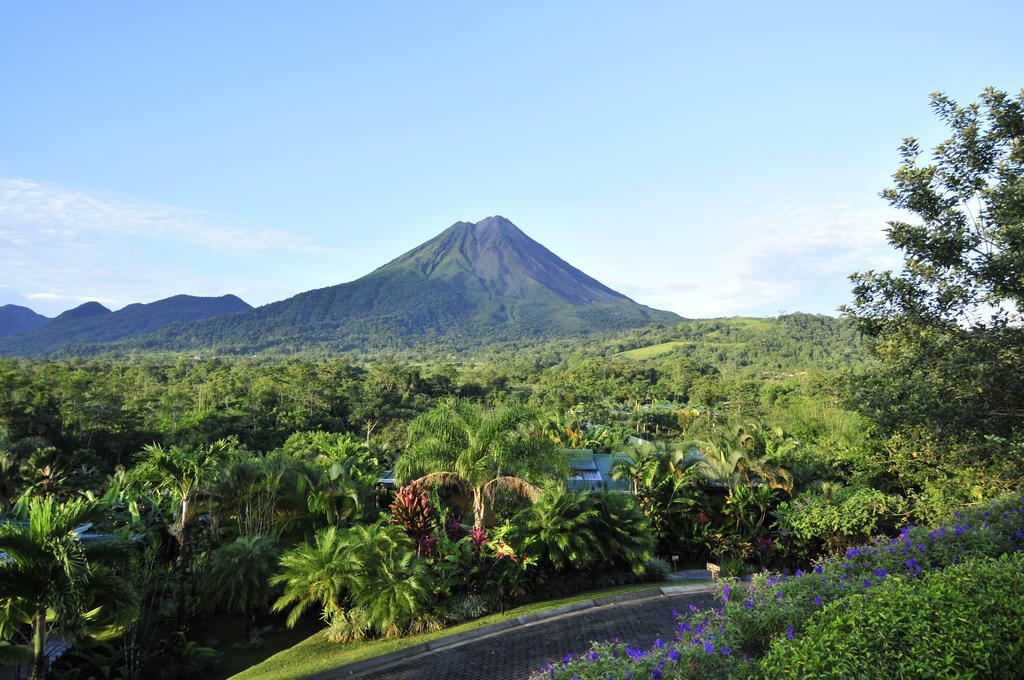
<point x="82" y="311"/>
<point x="475" y="283"/>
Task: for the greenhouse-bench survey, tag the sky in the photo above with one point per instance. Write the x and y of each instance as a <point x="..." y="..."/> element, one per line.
<point x="707" y="158"/>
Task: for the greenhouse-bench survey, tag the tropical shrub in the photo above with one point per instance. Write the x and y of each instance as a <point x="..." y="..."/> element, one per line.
<point x="239" y="574"/>
<point x="962" y="621"/>
<point x="578" y="530"/>
<point x="413" y="511"/>
<point x="623" y="532"/>
<point x="830" y="522"/>
<point x="565" y="524"/>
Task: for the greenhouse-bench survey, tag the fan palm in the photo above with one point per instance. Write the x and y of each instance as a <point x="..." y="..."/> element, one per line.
<point x="480" y="452"/>
<point x="55" y="582"/>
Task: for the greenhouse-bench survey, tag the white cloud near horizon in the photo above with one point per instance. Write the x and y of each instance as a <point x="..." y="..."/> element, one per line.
<point x="778" y="261"/>
<point x="30" y="209"/>
<point x="60" y="247"/>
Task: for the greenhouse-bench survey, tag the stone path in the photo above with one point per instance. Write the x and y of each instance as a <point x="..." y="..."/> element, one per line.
<point x="516" y="653"/>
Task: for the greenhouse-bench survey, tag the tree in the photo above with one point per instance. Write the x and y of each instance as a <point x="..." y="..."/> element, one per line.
<point x="946" y="328"/>
<point x="480" y="452"/>
<point x="56" y="582"/>
<point x="183" y="474"/>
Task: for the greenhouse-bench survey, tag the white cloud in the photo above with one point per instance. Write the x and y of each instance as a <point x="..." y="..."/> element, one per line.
<point x="785" y="259"/>
<point x="31" y="210"/>
<point x="70" y="298"/>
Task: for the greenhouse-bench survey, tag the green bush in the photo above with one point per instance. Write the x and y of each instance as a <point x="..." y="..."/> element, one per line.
<point x="775" y="609"/>
<point x="829" y="522"/>
<point x="964" y="621"/>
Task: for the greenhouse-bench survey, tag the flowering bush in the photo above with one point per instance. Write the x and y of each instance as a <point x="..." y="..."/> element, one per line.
<point x="775" y="608"/>
<point x="824" y="523"/>
<point x="963" y="620"/>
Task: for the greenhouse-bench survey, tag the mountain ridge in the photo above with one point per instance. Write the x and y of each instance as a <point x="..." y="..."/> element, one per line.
<point x="91" y="323"/>
<point x="471" y="284"/>
<point x="15" y="319"/>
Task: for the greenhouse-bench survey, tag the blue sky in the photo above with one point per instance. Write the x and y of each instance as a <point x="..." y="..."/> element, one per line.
<point x="711" y="158"/>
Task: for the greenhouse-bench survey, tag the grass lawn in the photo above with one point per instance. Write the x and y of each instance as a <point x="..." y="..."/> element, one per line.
<point x="315" y="654"/>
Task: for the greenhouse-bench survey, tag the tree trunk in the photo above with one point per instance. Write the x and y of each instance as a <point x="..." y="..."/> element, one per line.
<point x="478" y="508"/>
<point x="38" y="670"/>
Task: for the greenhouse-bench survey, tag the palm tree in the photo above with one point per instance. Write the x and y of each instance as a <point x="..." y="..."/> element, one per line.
<point x="390" y="586"/>
<point x="239" y="574"/>
<point x="665" y="484"/>
<point x="365" y="578"/>
<point x="184" y="473"/>
<point x="747" y="455"/>
<point x="314" y="575"/>
<point x="565" y="522"/>
<point x="480" y="452"/>
<point x="55" y="582"/>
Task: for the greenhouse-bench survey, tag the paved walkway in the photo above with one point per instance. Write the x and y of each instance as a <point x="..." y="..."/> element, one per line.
<point x="516" y="653"/>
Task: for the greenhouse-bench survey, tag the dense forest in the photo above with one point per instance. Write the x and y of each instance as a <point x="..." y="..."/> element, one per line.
<point x="187" y="515"/>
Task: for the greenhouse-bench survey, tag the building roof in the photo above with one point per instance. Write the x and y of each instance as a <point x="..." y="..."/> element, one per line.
<point x="589" y="471"/>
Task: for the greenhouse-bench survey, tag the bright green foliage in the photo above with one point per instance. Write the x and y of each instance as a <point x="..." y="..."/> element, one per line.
<point x="945" y="327"/>
<point x="566" y="524"/>
<point x="964" y="621"/>
<point x="58" y="584"/>
<point x="839" y="517"/>
<point x="314" y="575"/>
<point x="666" y="485"/>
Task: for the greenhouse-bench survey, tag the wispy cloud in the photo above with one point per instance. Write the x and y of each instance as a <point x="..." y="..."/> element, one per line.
<point x="61" y="246"/>
<point x="31" y="210"/>
<point x="785" y="259"/>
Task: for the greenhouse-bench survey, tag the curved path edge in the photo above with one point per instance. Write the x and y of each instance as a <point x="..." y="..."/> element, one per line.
<point x="380" y="663"/>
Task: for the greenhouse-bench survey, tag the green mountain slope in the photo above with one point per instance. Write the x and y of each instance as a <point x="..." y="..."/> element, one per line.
<point x="16" y="319"/>
<point x="472" y="284"/>
<point x="92" y="323"/>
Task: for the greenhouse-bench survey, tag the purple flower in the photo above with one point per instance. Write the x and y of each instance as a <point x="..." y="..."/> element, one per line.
<point x="673" y="654"/>
<point x="789" y="632"/>
<point x="592" y="656"/>
<point x="656" y="673"/>
<point x="817" y="569"/>
<point x="726" y="651"/>
<point x="748" y="604"/>
<point x="799" y="572"/>
<point x="659" y="643"/>
<point x="817" y="601"/>
<point x="709" y="648"/>
<point x="567" y="658"/>
<point x="867" y="583"/>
